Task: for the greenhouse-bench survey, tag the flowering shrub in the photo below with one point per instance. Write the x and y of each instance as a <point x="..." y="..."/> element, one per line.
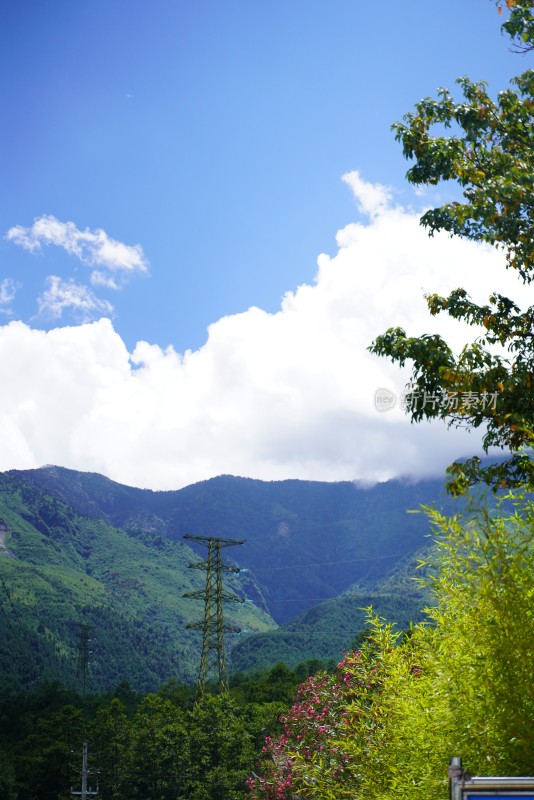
<point x="315" y="754"/>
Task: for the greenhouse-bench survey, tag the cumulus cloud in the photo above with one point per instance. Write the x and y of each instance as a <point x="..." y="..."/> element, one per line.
<point x="270" y="396"/>
<point x="93" y="248"/>
<point x="77" y="298"/>
<point x="372" y="198"/>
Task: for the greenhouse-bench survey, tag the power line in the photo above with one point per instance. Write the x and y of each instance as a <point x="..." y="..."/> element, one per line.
<point x="319" y="599"/>
<point x="331" y="563"/>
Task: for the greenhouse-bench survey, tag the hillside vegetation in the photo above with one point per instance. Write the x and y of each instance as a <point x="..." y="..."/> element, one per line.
<point x="306" y="541"/>
<point x="79" y="548"/>
<point x="59" y="569"/>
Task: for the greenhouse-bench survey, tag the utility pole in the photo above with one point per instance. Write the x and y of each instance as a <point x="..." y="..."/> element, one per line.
<point x="85" y="791"/>
<point x="212" y="625"/>
<point x="82" y="673"/>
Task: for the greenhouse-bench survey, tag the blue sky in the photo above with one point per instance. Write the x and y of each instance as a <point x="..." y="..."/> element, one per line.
<point x="169" y="166"/>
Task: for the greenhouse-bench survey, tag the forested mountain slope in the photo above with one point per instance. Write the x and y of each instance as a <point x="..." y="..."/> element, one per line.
<point x="306" y="541"/>
<point x="59" y="569"/>
<point x="335" y="626"/>
<point x="80" y="548"/>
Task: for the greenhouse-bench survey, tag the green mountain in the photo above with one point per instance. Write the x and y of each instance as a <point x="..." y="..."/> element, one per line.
<point x="323" y="632"/>
<point x="59" y="569"/>
<point x="332" y="627"/>
<point x="306" y="541"/>
<point x="80" y="548"/>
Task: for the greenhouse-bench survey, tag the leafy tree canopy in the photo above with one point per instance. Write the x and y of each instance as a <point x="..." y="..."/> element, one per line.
<point x="486" y="145"/>
<point x="520" y="25"/>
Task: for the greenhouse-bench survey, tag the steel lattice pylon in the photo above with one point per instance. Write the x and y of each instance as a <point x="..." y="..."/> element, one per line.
<point x="212" y="625"/>
<point x="82" y="667"/>
<point x="82" y="675"/>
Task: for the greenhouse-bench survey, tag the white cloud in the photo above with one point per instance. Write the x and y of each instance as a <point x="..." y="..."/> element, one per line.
<point x="99" y="278"/>
<point x="8" y="290"/>
<point x="60" y="295"/>
<point x="270" y="396"/>
<point x="372" y="198"/>
<point x="94" y="248"/>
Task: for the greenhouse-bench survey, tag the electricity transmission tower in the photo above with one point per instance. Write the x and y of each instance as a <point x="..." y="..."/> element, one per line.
<point x="212" y="625"/>
<point x="82" y="663"/>
<point x="82" y="673"/>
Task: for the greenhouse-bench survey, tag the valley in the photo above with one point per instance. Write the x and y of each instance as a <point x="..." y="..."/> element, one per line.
<point x="79" y="548"/>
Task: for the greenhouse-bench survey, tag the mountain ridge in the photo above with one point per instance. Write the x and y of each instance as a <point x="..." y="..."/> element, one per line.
<point x="323" y="536"/>
<point x="79" y="547"/>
